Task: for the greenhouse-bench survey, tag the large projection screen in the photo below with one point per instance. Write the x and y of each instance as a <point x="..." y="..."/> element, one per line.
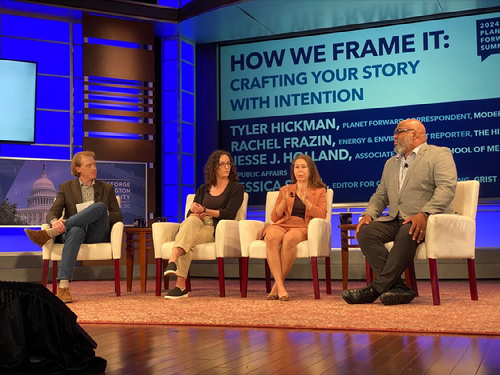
<point x="17" y="101"/>
<point x="338" y="97"/>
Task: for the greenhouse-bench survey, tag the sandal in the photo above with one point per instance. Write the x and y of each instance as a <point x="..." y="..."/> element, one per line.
<point x="272" y="297"/>
<point x="286" y="297"/>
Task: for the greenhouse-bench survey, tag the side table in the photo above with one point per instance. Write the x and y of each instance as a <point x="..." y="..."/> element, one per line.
<point x="345" y="236"/>
<point x="143" y="237"/>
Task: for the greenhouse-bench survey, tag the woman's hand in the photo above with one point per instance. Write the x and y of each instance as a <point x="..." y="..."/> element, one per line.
<point x="302" y="191"/>
<point x="284" y="193"/>
<point x="280" y="208"/>
<point x="197" y="208"/>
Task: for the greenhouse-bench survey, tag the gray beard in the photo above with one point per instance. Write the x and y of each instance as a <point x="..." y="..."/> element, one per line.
<point x="399" y="149"/>
<point x="402" y="147"/>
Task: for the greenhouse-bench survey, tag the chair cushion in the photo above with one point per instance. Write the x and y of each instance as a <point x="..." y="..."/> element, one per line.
<point x="88" y="251"/>
<point x="421" y="250"/>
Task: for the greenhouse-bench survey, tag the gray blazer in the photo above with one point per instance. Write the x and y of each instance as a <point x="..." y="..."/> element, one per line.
<point x="429" y="186"/>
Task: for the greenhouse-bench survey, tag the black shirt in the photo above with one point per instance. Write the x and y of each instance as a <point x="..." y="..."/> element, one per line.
<point x="299" y="208"/>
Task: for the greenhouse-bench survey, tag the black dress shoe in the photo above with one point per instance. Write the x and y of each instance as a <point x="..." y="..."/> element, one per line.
<point x="367" y="294"/>
<point x="398" y="295"/>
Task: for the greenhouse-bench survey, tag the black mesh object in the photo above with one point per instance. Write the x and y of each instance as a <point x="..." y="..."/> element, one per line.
<point x="39" y="334"/>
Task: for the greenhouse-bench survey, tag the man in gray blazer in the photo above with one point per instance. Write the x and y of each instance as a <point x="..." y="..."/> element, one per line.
<point x="419" y="181"/>
<point x="90" y="210"/>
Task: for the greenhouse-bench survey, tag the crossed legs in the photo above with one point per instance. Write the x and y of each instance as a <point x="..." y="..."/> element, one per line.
<point x="192" y="232"/>
<point x="89" y="226"/>
<point x="281" y="249"/>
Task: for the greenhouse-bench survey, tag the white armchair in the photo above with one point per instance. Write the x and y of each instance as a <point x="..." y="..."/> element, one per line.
<point x="88" y="251"/>
<point x="226" y="245"/>
<point x="451" y="236"/>
<point x="317" y="245"/>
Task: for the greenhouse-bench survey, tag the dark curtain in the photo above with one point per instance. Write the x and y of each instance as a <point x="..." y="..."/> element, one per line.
<point x="39" y="334"/>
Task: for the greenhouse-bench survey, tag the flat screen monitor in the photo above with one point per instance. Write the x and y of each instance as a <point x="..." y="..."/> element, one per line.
<point x="17" y="101"/>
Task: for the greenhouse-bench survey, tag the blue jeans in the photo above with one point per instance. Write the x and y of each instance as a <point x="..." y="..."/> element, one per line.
<point x="89" y="226"/>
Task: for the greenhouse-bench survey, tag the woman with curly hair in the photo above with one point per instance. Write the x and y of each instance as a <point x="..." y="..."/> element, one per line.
<point x="220" y="197"/>
<point x="297" y="204"/>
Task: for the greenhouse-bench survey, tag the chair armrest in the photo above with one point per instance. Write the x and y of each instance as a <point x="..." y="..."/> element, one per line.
<point x="250" y="230"/>
<point x="450" y="236"/>
<point x="319" y="234"/>
<point x="47" y="248"/>
<point x="227" y="239"/>
<point x="163" y="232"/>
<point x="116" y="239"/>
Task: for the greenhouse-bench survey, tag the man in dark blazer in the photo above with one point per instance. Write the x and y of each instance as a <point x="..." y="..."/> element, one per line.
<point x="417" y="182"/>
<point x="84" y="211"/>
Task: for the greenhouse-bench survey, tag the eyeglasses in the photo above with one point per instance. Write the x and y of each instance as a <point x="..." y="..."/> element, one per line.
<point x="228" y="164"/>
<point x="402" y="130"/>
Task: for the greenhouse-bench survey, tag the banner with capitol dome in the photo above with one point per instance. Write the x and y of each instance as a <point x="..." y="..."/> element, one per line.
<point x="28" y="188"/>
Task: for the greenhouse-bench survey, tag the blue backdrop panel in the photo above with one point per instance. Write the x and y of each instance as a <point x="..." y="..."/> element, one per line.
<point x="78" y="61"/>
<point x="187" y="170"/>
<point x="77" y="33"/>
<point x="187" y="107"/>
<point x="52" y="58"/>
<point x="53" y="93"/>
<point x="170" y="204"/>
<point x="169" y="137"/>
<point x="34" y="28"/>
<point x="170" y="80"/>
<point x="15" y="240"/>
<point x="187" y="52"/>
<point x="170" y="108"/>
<point x="188" y="138"/>
<point x="52" y="127"/>
<point x="34" y="151"/>
<point x="187" y="77"/>
<point x="78" y="129"/>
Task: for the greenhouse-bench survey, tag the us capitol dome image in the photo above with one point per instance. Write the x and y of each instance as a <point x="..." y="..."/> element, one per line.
<point x="40" y="201"/>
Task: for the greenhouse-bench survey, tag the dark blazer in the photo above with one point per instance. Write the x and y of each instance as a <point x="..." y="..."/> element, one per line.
<point x="70" y="194"/>
<point x="230" y="206"/>
<point x="317" y="197"/>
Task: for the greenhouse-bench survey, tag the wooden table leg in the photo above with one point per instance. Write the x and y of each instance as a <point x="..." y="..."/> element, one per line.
<point x="144" y="260"/>
<point x="129" y="249"/>
<point x="345" y="258"/>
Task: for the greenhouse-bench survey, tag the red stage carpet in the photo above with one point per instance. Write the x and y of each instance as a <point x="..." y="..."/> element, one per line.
<point x="95" y="302"/>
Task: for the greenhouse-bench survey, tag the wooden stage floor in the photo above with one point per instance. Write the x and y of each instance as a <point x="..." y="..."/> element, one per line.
<point x="147" y="349"/>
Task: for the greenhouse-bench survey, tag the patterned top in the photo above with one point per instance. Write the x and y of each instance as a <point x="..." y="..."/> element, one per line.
<point x="87" y="191"/>
<point x="405" y="163"/>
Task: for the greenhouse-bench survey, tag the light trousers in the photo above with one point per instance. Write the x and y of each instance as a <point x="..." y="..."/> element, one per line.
<point x="192" y="232"/>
